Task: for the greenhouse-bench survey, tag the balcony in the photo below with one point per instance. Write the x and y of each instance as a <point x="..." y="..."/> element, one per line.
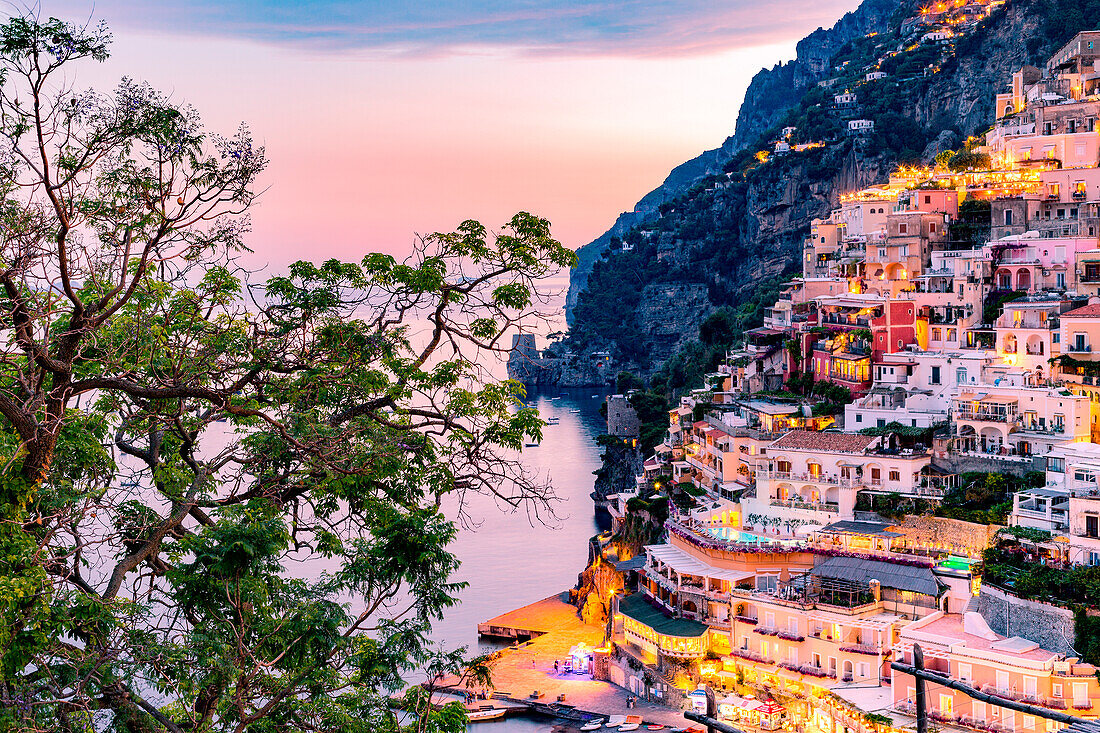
<point x="752" y="656"/>
<point x="851" y="321"/>
<point x="1042" y="428"/>
<point x="815" y="671"/>
<point x="869" y="649"/>
<point x="831" y="507"/>
<point x="1028" y="697"/>
<point x="1079" y="348"/>
<point x="831" y="480"/>
<point x="981" y="416"/>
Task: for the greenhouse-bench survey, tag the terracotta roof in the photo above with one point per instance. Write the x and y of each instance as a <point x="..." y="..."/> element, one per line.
<point x="1088" y="311"/>
<point x="825" y="442"/>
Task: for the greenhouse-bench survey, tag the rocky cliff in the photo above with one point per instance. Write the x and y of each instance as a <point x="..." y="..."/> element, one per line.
<point x="771" y="92"/>
<point x="742" y="222"/>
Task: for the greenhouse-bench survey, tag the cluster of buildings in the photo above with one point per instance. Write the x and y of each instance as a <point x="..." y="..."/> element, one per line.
<point x="960" y="311"/>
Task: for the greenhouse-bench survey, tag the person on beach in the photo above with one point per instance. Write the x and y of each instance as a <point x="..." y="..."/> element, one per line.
<point x="555" y="666"/>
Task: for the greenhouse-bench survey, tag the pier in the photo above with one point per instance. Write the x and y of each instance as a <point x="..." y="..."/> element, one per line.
<point x="553" y="629"/>
<point x="550" y="615"/>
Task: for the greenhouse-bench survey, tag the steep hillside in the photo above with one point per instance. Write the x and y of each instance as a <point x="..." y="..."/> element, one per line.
<point x="733" y="233"/>
<point x="771" y="92"/>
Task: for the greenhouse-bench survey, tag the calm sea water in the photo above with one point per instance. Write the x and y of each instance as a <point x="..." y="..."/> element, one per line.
<point x="510" y="560"/>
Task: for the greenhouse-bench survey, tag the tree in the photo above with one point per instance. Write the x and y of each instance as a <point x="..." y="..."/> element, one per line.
<point x="628" y="382"/>
<point x="175" y="440"/>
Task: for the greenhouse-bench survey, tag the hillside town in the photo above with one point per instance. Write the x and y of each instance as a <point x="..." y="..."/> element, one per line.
<point x="944" y="335"/>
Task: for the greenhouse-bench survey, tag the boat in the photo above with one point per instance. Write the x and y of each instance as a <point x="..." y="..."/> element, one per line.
<point x="615" y="721"/>
<point x="531" y="445"/>
<point x="654" y="727"/>
<point x="629" y="726"/>
<point x="490" y="713"/>
<point x="594" y="725"/>
<point x="574" y="410"/>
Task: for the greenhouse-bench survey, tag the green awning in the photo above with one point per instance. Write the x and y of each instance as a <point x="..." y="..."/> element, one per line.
<point x="637" y="608"/>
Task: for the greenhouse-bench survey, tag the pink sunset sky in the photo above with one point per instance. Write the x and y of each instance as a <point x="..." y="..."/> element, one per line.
<point x="382" y="120"/>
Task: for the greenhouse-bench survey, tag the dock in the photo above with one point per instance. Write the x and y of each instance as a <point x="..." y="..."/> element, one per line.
<point x="530" y="621"/>
<point x="546" y="631"/>
<point x="516" y="706"/>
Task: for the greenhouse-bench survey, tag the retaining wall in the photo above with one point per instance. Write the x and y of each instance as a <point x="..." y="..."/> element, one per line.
<point x="1050" y="626"/>
<point x="966" y="537"/>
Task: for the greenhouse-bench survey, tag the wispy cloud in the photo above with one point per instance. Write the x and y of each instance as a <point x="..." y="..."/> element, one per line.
<point x="570" y="27"/>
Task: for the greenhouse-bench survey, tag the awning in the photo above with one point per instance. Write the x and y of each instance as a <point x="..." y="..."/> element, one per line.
<point x="682" y="562"/>
<point x="998" y="400"/>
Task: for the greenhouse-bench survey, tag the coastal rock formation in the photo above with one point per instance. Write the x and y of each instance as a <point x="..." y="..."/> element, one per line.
<point x="770" y="93"/>
<point x="543" y="369"/>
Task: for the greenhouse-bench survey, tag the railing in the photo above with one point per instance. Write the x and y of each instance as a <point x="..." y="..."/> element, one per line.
<point x="870" y="649"/>
<point x="815" y="671"/>
<point x="661" y="580"/>
<point x="845" y="321"/>
<point x="1079" y="349"/>
<point x="984" y="416"/>
<point x="832" y="507"/>
<point x="1055" y="429"/>
<point x="752" y="656"/>
<point x="831" y="480"/>
<point x="1030" y="697"/>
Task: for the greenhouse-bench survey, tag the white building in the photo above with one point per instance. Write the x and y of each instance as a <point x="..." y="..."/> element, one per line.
<point x="812" y="478"/>
<point x="915" y="387"/>
<point x="860" y="127"/>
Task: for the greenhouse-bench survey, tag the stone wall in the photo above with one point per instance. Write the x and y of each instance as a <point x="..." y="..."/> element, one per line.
<point x="1049" y="626"/>
<point x="951" y="462"/>
<point x="955" y="534"/>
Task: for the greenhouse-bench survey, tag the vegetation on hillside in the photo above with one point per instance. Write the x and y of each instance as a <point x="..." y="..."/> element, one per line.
<point x="985" y="498"/>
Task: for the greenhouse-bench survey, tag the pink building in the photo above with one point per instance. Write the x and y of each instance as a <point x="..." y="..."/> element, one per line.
<point x="1029" y="263"/>
<point x="962" y="647"/>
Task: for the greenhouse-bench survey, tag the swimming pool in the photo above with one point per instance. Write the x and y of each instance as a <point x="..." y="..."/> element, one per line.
<point x="730" y="534"/>
<point x="953" y="562"/>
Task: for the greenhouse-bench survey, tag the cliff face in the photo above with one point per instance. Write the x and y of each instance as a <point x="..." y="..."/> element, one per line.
<point x="771" y="92"/>
<point x="715" y="247"/>
<point x="964" y="93"/>
<point x="729" y="232"/>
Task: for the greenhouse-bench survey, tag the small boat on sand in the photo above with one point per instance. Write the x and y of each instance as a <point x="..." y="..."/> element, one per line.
<point x="594" y="725"/>
<point x="629" y="726"/>
<point x="487" y="713"/>
<point x="615" y="721"/>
